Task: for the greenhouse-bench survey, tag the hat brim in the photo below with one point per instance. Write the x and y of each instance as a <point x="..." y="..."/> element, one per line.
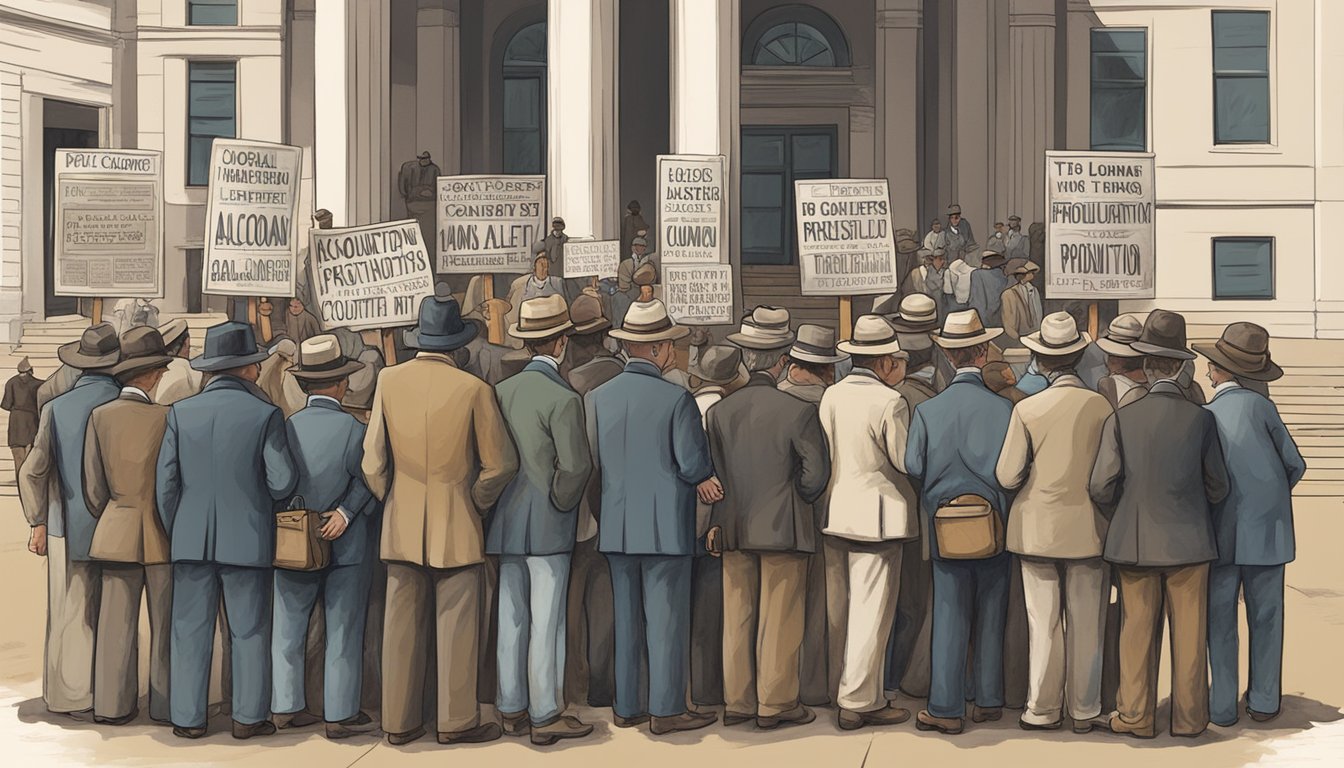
<point x="592" y="326"/>
<point x="1155" y="351"/>
<point x="671" y="333"/>
<point x="892" y="347"/>
<point x="984" y="337"/>
<point x="761" y="342"/>
<point x="169" y="341"/>
<point x="335" y="374"/>
<point x="138" y="364"/>
<point x="1117" y="349"/>
<point x="1271" y="371"/>
<point x="440" y="342"/>
<point x="813" y="357"/>
<point x="996" y="260"/>
<point x="214" y="364"/>
<point x="543" y="333"/>
<point x="70" y="355"/>
<point x="905" y="326"/>
<point x="1033" y="342"/>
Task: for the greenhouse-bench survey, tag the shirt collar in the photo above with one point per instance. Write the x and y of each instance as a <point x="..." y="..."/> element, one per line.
<point x="548" y="360"/>
<point x="640" y="365"/>
<point x="129" y="391"/>
<point x="1225" y="386"/>
<point x="856" y="371"/>
<point x="323" y="400"/>
<point x="969" y="369"/>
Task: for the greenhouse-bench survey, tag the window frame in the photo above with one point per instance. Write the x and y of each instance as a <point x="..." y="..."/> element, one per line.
<point x="796" y="13"/>
<point x="539" y="72"/>
<point x="1147" y="87"/>
<point x="191" y="6"/>
<point x="1268" y="77"/>
<point x="789" y="244"/>
<point x="1273" y="266"/>
<point x="188" y="115"/>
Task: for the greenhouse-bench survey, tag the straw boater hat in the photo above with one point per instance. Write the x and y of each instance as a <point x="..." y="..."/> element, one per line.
<point x="97" y="348"/>
<point x="647" y="322"/>
<point x="1243" y="351"/>
<point x="586" y="313"/>
<point x="964" y="329"/>
<point x="320" y="360"/>
<point x="142" y="349"/>
<point x="173" y="331"/>
<point x="873" y="337"/>
<point x="229" y="345"/>
<point x="1123" y="331"/>
<point x="1058" y="336"/>
<point x="441" y="328"/>
<point x="816" y="344"/>
<point x="765" y="328"/>
<point x="542" y="318"/>
<point x="918" y="314"/>
<point x="1164" y="336"/>
<point x="719" y="364"/>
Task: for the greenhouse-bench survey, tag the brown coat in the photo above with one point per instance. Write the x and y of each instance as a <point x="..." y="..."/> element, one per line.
<point x="121" y="449"/>
<point x="438" y="454"/>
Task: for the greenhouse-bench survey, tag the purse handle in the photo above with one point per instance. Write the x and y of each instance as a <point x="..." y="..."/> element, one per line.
<point x="297" y="503"/>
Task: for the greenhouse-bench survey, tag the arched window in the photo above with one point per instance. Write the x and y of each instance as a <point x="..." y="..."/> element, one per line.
<point x="794" y="36"/>
<point x="524" y="100"/>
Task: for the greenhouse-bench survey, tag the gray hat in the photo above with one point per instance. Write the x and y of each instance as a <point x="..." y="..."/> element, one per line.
<point x="98" y="347"/>
<point x="640" y="241"/>
<point x="718" y="364"/>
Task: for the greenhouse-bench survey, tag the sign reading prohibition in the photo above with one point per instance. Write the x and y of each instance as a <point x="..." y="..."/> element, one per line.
<point x="691" y="192"/>
<point x="251" y="233"/>
<point x="592" y="258"/>
<point x="109" y="223"/>
<point x="489" y="223"/>
<point x="698" y="295"/>
<point x="372" y="276"/>
<point x="845" y="244"/>
<point x="1099" y="234"/>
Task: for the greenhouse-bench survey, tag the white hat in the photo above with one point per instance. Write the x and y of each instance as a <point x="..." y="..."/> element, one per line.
<point x="647" y="322"/>
<point x="764" y="328"/>
<point x="1124" y="330"/>
<point x="1059" y="335"/>
<point x="964" y="329"/>
<point x="541" y="318"/>
<point x="873" y="337"/>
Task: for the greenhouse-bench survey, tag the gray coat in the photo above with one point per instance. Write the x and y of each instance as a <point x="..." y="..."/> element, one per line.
<point x="328" y="446"/>
<point x="584" y="379"/>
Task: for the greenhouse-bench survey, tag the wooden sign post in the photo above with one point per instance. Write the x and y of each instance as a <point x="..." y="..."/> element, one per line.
<point x="264" y="310"/>
<point x="389" y="337"/>
<point x="846" y="317"/>
<point x="494" y="326"/>
<point x="1092" y="320"/>
<point x="96" y="315"/>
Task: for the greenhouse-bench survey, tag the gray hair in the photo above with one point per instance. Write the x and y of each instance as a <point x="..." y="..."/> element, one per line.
<point x="1156" y="367"/>
<point x="762" y="359"/>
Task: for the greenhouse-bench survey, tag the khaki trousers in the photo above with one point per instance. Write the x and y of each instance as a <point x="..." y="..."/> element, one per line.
<point x="868" y="578"/>
<point x="764" y="598"/>
<point x="1066" y="614"/>
<point x="1186" y="591"/>
<point x="451" y="597"/>
<point x="72" y="615"/>
<point x="116" y="685"/>
<point x="20" y="454"/>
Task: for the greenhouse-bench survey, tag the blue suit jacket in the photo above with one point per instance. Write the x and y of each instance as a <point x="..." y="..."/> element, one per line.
<point x="1253" y="525"/>
<point x="953" y="447"/>
<point x="651" y="452"/>
<point x="328" y="446"/>
<point x="223" y="470"/>
<point x="987" y="287"/>
<point x="69" y="419"/>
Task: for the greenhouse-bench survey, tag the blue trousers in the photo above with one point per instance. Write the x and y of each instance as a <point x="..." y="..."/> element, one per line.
<point x="1262" y="586"/>
<point x="344" y="590"/>
<point x="968" y="596"/>
<point x="247" y="609"/>
<point x="533" y="594"/>
<point x="652" y="601"/>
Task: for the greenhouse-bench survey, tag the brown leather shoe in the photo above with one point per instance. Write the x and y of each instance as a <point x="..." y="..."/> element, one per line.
<point x="947" y="725"/>
<point x="849" y="720"/>
<point x="399" y="739"/>
<point x="1119" y="726"/>
<point x="300" y="719"/>
<point x="799" y="715"/>
<point x="249" y="731"/>
<point x="351" y="726"/>
<point x="563" y="727"/>
<point x="736" y="718"/>
<point x="629" y="722"/>
<point x="478" y="735"/>
<point x="1261" y="717"/>
<point x="985" y="714"/>
<point x="686" y="721"/>
<point x="515" y="723"/>
<point x="188" y="733"/>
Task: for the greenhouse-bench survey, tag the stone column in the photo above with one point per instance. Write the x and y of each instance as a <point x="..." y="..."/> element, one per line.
<point x="437" y="68"/>
<point x="1027" y="124"/>
<point x="974" y="116"/>
<point x="899" y="28"/>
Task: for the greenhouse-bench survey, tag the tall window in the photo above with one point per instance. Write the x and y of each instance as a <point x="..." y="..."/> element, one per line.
<point x="212" y="12"/>
<point x="794" y="36"/>
<point x="212" y="110"/>
<point x="525" y="101"/>
<point x="1120" y="90"/>
<point x="773" y="157"/>
<point x="1243" y="268"/>
<point x="1240" y="77"/>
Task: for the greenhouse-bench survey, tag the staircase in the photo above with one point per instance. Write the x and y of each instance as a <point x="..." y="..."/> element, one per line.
<point x="1310" y="397"/>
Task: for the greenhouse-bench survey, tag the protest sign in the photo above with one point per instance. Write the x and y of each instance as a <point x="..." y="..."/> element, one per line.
<point x="251" y="230"/>
<point x="1099" y="235"/>
<point x="592" y="258"/>
<point x="489" y="223"/>
<point x="109" y="223"/>
<point x="372" y="276"/>
<point x="845" y="243"/>
<point x="691" y="194"/>
<point x="699" y="295"/>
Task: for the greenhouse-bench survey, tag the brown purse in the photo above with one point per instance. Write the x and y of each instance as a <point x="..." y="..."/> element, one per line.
<point x="298" y="547"/>
<point x="968" y="528"/>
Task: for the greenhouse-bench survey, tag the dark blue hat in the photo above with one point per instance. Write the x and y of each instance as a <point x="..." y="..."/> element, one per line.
<point x="229" y="345"/>
<point x="441" y="328"/>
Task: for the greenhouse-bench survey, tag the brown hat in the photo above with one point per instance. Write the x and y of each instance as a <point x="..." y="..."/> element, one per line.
<point x="906" y="245"/>
<point x="1020" y="267"/>
<point x="97" y="348"/>
<point x="954" y="208"/>
<point x="992" y="259"/>
<point x="645" y="275"/>
<point x="1243" y="351"/>
<point x="1163" y="336"/>
<point x="142" y="349"/>
<point x="173" y="331"/>
<point x="586" y="313"/>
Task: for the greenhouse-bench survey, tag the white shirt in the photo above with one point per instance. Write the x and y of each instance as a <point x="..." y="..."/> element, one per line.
<point x="1226" y="385"/>
<point x="135" y="392"/>
<point x="970" y="369"/>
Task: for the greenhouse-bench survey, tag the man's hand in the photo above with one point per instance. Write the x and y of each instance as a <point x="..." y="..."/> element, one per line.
<point x="713" y="541"/>
<point x="37" y="542"/>
<point x="710" y="491"/>
<point x="334" y="527"/>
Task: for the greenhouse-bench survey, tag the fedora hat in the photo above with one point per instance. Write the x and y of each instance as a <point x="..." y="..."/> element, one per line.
<point x="645" y="275"/>
<point x="229" y="345"/>
<point x="142" y="349"/>
<point x="953" y="208"/>
<point x="97" y="347"/>
<point x="718" y="364"/>
<point x="441" y="328"/>
<point x="647" y="322"/>
<point x="1163" y="336"/>
<point x="765" y="328"/>
<point x="964" y="329"/>
<point x="992" y="259"/>
<point x="816" y="344"/>
<point x="918" y="314"/>
<point x="1243" y="350"/>
<point x="424" y="155"/>
<point x="320" y="359"/>
<point x="542" y="318"/>
<point x="587" y="315"/>
<point x="639" y="241"/>
<point x="1058" y="336"/>
<point x="873" y="337"/>
<point x="1123" y="331"/>
<point x="907" y="245"/>
<point x="173" y="331"/>
<point x="1020" y="267"/>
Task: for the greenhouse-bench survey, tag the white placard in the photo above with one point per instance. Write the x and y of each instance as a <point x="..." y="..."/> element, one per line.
<point x="251" y="226"/>
<point x="1100" y="242"/>
<point x="592" y="258"/>
<point x="845" y="245"/>
<point x="691" y="194"/>
<point x="699" y="295"/>
<point x="370" y="277"/>
<point x="109" y="223"/>
<point x="489" y="223"/>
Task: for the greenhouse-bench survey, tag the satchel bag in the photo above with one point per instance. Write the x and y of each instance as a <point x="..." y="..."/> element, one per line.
<point x="968" y="528"/>
<point x="298" y="547"/>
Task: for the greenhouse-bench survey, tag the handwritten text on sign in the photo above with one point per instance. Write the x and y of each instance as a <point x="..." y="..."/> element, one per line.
<point x="699" y="295"/>
<point x="370" y="277"/>
<point x="690" y="209"/>
<point x="109" y="223"/>
<point x="592" y="258"/>
<point x="1099" y="234"/>
<point x="251" y="232"/>
<point x="845" y="245"/>
<point x="489" y="223"/>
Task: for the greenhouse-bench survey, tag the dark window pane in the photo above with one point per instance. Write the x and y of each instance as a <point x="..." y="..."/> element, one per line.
<point x="1240" y="29"/>
<point x="1254" y="59"/>
<point x="812" y="153"/>
<point x="1130" y="40"/>
<point x="522" y="152"/>
<point x="212" y="12"/>
<point x="793" y="44"/>
<point x="762" y="190"/>
<point x="1240" y="77"/>
<point x="763" y="151"/>
<point x="763" y="230"/>
<point x="1243" y="268"/>
<point x="522" y="103"/>
<point x="198" y="162"/>
<point x="1119" y="90"/>
<point x="527" y="47"/>
<point x="212" y="100"/>
<point x="211" y="111"/>
<point x="1118" y="66"/>
<point x="1241" y="109"/>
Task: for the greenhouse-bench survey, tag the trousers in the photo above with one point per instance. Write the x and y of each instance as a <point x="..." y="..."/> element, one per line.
<point x="970" y="600"/>
<point x="531" y="645"/>
<point x="763" y="620"/>
<point x="1066" y="614"/>
<point x="344" y="592"/>
<point x="72" y="617"/>
<point x="869" y="576"/>
<point x="813" y="674"/>
<point x="652" y="599"/>
<point x="591" y="636"/>
<point x="1262" y="586"/>
<point x="116" y="687"/>
<point x="908" y="651"/>
<point x="706" y="663"/>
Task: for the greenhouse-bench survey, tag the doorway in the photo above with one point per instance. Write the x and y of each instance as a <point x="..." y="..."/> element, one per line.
<point x="64" y="126"/>
<point x="773" y="157"/>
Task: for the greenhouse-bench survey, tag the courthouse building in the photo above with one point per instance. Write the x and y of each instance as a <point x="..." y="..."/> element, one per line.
<point x="1242" y="102"/>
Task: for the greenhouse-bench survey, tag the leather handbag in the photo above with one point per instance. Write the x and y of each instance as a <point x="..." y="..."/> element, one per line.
<point x="298" y="546"/>
<point x="968" y="528"/>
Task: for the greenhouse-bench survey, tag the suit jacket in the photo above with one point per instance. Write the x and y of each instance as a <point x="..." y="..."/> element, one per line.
<point x="1020" y="317"/>
<point x="179" y="382"/>
<point x="1047" y="454"/>
<point x="987" y="287"/>
<point x="1016" y="246"/>
<point x="57" y="384"/>
<point x="651" y="454"/>
<point x="121" y="448"/>
<point x="282" y="389"/>
<point x="808" y="393"/>
<point x="536" y="513"/>
<point x="224" y="469"/>
<point x="705" y="398"/>
<point x="21" y="401"/>
<point x="51" y="481"/>
<point x="1109" y="388"/>
<point x="954" y="446"/>
<point x="584" y="379"/>
<point x="1160" y="467"/>
<point x="1254" y="524"/>
<point x="771" y="457"/>
<point x="438" y="455"/>
<point x="869" y="497"/>
<point x="916" y="281"/>
<point x="328" y="447"/>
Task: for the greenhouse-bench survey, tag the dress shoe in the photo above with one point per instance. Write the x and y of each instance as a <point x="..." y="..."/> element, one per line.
<point x="362" y="718"/>
<point x="1100" y="723"/>
<point x="948" y="725"/>
<point x="398" y="739"/>
<point x="248" y="731"/>
<point x="124" y="719"/>
<point x="1027" y="725"/>
<point x="1119" y="726"/>
<point x="1261" y="717"/>
<point x="300" y="719"/>
<point x="736" y="718"/>
<point x="82" y="715"/>
<point x="985" y="714"/>
<point x="850" y="720"/>
<point x="188" y="733"/>
<point x="563" y="727"/>
<point x="799" y="715"/>
<point x="686" y="721"/>
<point x="515" y="723"/>
<point x="629" y="722"/>
<point x="351" y="726"/>
<point x="478" y="735"/>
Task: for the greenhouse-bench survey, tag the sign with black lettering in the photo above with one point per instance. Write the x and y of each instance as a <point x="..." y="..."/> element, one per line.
<point x="691" y="194"/>
<point x="489" y="223"/>
<point x="1100" y="242"/>
<point x="370" y="277"/>
<point x="592" y="258"/>
<point x="251" y="229"/>
<point x="845" y="243"/>
<point x="699" y="295"/>
<point x="109" y="223"/>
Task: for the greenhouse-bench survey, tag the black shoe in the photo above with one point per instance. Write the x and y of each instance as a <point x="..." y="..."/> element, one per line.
<point x="985" y="714"/>
<point x="399" y="739"/>
<point x="1026" y="726"/>
<point x="188" y="733"/>
<point x="124" y="719"/>
<point x="629" y="722"/>
<point x="1261" y="717"/>
<point x="245" y="731"/>
<point x="478" y="735"/>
